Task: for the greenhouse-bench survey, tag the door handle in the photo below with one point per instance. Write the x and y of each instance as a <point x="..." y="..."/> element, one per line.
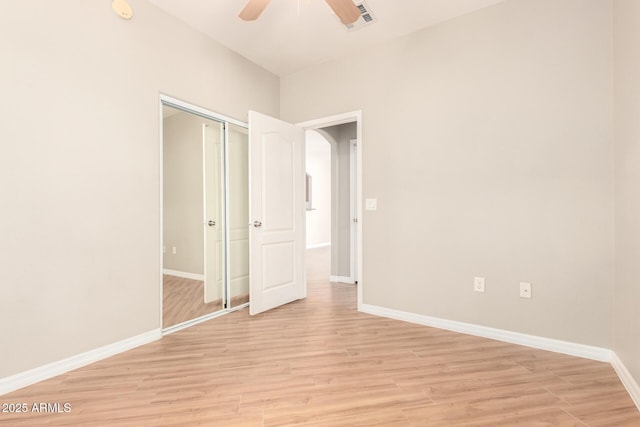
<point x="257" y="224"/>
<point x="211" y="223"/>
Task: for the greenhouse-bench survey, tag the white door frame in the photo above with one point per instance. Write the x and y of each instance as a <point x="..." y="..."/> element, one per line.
<point x="353" y="209"/>
<point x="339" y="119"/>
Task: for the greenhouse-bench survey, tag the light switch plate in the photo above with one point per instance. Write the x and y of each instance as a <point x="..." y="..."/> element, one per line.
<point x="371" y="204"/>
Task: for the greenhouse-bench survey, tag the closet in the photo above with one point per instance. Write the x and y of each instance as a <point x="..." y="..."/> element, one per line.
<point x="205" y="214"/>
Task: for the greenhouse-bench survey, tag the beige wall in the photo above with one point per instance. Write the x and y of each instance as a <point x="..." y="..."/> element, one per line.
<point x="80" y="166"/>
<point x="339" y="137"/>
<point x="318" y="164"/>
<point x="487" y="142"/>
<point x="348" y="131"/>
<point x="182" y="199"/>
<point x="627" y="181"/>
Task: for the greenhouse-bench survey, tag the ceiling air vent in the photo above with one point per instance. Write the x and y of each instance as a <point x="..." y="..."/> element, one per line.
<point x="366" y="17"/>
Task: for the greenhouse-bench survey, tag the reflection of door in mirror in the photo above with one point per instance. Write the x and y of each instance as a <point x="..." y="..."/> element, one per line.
<point x="238" y="145"/>
<point x="212" y="137"/>
<point x="186" y="178"/>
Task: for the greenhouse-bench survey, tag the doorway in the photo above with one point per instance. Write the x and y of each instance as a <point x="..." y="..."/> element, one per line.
<point x="343" y="133"/>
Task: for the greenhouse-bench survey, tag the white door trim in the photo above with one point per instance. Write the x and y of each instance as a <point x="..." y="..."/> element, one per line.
<point x="191" y="108"/>
<point x="339" y="119"/>
<point x="353" y="210"/>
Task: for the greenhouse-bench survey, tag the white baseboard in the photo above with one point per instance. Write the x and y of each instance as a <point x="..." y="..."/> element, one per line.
<point x="192" y="322"/>
<point x="184" y="275"/>
<point x="319" y="245"/>
<point x="580" y="350"/>
<point x="627" y="380"/>
<point x="341" y="279"/>
<point x="32" y="376"/>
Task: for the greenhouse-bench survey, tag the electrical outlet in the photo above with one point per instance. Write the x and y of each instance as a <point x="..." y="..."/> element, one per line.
<point x="478" y="284"/>
<point x="174" y="250"/>
<point x="525" y="290"/>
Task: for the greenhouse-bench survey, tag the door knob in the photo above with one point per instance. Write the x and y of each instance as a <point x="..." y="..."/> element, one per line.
<point x="211" y="223"/>
<point x="257" y="224"/>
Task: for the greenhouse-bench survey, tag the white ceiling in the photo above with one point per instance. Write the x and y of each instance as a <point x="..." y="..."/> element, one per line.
<point x="291" y="35"/>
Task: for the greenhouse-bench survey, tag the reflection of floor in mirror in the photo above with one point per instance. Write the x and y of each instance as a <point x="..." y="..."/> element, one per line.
<point x="182" y="300"/>
<point x="240" y="299"/>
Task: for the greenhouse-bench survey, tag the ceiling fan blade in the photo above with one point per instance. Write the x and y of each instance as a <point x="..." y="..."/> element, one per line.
<point x="253" y="9"/>
<point x="346" y="10"/>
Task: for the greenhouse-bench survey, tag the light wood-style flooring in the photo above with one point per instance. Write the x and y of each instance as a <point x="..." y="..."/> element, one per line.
<point x="319" y="362"/>
<point x="183" y="300"/>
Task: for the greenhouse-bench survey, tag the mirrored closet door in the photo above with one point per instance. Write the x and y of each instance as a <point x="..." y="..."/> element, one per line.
<point x="205" y="196"/>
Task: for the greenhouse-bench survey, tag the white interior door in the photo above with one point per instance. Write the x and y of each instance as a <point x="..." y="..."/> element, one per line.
<point x="277" y="237"/>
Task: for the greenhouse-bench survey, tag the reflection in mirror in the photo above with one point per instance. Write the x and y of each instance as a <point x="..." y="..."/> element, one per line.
<point x="213" y="213"/>
<point x="192" y="286"/>
<point x="238" y="144"/>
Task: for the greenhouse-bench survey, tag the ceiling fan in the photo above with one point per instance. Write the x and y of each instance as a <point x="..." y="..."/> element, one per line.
<point x="345" y="9"/>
